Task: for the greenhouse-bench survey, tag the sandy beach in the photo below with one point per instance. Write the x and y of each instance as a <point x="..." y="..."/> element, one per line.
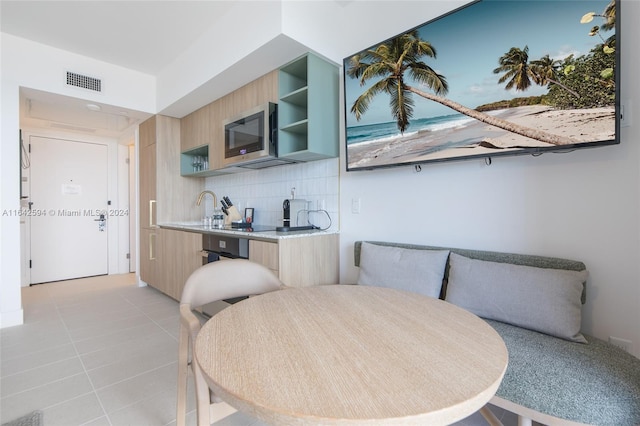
<point x="476" y="138"/>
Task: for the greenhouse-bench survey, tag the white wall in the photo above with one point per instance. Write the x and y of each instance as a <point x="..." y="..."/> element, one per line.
<point x="582" y="205"/>
<point x="27" y="64"/>
<point x="214" y="52"/>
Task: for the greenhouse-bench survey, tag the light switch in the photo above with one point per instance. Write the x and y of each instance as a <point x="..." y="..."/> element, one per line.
<point x="355" y="205"/>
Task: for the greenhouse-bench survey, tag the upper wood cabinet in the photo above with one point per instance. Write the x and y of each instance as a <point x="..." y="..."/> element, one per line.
<point x="147" y="133"/>
<point x="205" y="130"/>
<point x="195" y="129"/>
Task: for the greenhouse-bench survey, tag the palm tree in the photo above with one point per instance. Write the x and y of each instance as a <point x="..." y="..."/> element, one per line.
<point x="515" y="66"/>
<point x="519" y="72"/>
<point x="545" y="71"/>
<point x="392" y="59"/>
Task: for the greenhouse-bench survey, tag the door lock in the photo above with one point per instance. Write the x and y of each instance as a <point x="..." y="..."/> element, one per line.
<point x="102" y="225"/>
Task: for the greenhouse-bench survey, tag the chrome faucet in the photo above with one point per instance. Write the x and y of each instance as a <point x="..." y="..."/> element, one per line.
<point x="215" y="199"/>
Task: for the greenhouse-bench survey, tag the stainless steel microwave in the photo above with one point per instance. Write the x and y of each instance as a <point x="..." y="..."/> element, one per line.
<point x="252" y="136"/>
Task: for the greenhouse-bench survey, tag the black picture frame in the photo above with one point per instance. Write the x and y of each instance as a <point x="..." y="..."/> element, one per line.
<point x="475" y="50"/>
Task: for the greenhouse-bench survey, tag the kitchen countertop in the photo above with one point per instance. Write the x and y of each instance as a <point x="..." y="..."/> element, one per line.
<point x="255" y="235"/>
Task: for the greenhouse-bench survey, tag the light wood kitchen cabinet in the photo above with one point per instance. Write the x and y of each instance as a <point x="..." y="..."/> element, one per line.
<point x="307" y="93"/>
<point x="202" y="131"/>
<point x="147" y="186"/>
<point x="195" y="130"/>
<point x="300" y="262"/>
<point x="149" y="255"/>
<point x="147" y="133"/>
<point x="195" y="138"/>
<point x="164" y="196"/>
<point x="148" y="235"/>
<point x="265" y="253"/>
<point x="179" y="257"/>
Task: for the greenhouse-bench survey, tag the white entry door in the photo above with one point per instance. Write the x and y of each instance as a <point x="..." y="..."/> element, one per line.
<point x="69" y="189"/>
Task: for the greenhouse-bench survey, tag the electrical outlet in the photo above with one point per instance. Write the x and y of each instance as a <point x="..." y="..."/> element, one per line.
<point x="621" y="343"/>
<point x="625" y="113"/>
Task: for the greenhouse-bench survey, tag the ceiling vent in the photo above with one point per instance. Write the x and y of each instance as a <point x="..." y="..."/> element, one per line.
<point x="84" y="82"/>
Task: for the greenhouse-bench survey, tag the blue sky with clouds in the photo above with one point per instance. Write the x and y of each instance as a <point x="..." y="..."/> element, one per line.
<point x="470" y="41"/>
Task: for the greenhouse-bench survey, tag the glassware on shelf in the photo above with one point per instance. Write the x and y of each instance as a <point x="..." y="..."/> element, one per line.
<point x="200" y="163"/>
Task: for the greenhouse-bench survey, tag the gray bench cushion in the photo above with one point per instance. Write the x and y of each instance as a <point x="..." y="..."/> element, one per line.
<point x="418" y="271"/>
<point x="596" y="383"/>
<point x="540" y="299"/>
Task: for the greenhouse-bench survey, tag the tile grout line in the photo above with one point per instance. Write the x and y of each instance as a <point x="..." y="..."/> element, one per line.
<point x="84" y="368"/>
<point x="124" y="298"/>
<point x="153" y="320"/>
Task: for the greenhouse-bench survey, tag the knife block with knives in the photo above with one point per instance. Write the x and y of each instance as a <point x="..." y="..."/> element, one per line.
<point x="231" y="213"/>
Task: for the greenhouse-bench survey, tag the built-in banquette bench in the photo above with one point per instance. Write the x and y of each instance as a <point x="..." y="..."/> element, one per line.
<point x="556" y="375"/>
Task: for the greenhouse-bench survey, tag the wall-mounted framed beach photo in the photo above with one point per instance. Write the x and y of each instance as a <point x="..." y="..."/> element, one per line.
<point x="492" y="78"/>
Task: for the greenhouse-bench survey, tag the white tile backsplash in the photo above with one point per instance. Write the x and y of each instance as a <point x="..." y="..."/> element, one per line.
<point x="265" y="190"/>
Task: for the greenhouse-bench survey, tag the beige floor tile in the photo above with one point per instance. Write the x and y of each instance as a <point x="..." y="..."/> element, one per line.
<point x="36" y="359"/>
<point x="146" y="360"/>
<point x="100" y="421"/>
<point x="171" y="325"/>
<point x="77" y="411"/>
<point x="160" y="409"/>
<point x="143" y="386"/>
<point x="97" y="328"/>
<point x="152" y="343"/>
<point x="43" y="397"/>
<point x="36" y="377"/>
<point x="162" y="310"/>
<point x="33" y="337"/>
<point x="141" y="296"/>
<point x="127" y="336"/>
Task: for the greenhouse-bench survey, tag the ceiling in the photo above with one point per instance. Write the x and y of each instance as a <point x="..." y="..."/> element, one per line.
<point x="140" y="35"/>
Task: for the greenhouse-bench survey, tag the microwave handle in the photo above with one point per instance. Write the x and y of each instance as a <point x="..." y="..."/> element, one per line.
<point x="273" y="127"/>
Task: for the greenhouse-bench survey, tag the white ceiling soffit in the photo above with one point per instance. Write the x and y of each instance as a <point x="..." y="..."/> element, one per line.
<point x="140" y="35"/>
<point x="47" y="110"/>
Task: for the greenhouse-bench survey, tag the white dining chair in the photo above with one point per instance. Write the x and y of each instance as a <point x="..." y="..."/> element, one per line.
<point x="212" y="282"/>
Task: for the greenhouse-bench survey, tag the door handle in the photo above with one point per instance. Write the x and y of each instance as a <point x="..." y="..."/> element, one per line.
<point x="152" y="204"/>
<point x="152" y="246"/>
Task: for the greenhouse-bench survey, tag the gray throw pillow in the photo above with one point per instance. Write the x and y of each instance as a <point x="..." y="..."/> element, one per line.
<point x="418" y="271"/>
<point x="540" y="299"/>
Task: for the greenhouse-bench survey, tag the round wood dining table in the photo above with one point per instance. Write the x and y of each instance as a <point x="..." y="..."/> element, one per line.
<point x="350" y="354"/>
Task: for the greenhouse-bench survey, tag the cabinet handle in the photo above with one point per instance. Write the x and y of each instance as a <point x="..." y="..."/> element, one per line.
<point x="152" y="204"/>
<point x="152" y="245"/>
